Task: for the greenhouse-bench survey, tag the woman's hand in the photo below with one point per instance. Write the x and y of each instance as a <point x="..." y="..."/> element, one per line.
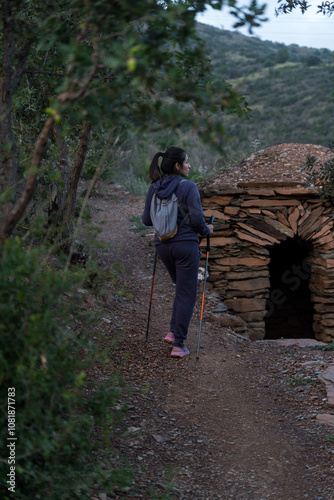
<point x="210" y="226"/>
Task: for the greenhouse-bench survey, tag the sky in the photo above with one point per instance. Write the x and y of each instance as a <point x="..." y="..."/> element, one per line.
<point x="306" y="30"/>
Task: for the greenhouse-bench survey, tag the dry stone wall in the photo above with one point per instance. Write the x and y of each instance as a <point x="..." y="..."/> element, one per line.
<point x="250" y="219"/>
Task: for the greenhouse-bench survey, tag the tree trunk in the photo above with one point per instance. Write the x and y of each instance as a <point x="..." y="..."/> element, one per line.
<point x="69" y="205"/>
<point x="9" y="152"/>
<point x="10" y="77"/>
<point x="58" y="193"/>
<point x="20" y="206"/>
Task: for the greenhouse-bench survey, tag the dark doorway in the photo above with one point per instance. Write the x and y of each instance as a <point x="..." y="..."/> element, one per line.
<point x="289" y="307"/>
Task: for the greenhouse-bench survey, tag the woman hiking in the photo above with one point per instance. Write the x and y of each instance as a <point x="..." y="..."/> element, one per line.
<point x="180" y="254"/>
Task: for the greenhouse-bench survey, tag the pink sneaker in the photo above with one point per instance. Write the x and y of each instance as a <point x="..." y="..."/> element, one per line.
<point x="169" y="338"/>
<point x="179" y="352"/>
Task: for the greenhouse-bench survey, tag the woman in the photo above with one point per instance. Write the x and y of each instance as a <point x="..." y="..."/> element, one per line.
<point x="179" y="254"/>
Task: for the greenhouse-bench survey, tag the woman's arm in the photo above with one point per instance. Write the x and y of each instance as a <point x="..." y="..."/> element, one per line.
<point x="195" y="210"/>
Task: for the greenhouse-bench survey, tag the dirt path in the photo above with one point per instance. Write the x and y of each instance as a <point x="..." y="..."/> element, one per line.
<point x="238" y="423"/>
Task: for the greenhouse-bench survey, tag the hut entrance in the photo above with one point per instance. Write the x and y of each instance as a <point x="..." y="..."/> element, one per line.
<point x="289" y="307"/>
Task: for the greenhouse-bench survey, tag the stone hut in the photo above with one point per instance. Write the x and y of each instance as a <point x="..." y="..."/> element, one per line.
<point x="272" y="251"/>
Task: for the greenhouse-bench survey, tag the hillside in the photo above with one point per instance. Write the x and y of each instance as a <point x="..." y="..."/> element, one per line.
<point x="289" y="89"/>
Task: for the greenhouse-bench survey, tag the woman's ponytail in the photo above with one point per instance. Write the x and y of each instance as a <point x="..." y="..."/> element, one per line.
<point x="154" y="171"/>
<point x="172" y="156"/>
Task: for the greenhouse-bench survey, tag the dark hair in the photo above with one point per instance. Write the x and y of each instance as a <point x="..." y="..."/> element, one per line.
<point x="169" y="158"/>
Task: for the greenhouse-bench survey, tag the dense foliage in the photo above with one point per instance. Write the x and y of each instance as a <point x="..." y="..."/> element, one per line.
<point x="52" y="414"/>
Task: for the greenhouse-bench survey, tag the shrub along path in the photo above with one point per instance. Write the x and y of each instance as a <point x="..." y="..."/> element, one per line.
<point x="238" y="423"/>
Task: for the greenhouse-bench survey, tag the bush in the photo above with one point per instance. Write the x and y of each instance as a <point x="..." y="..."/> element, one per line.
<point x="312" y="60"/>
<point x="321" y="176"/>
<point x="43" y="364"/>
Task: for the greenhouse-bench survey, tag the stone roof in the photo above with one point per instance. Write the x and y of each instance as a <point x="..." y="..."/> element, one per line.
<point x="278" y="165"/>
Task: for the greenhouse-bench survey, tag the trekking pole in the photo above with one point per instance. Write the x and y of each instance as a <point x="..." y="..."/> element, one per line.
<point x="205" y="274"/>
<point x="149" y="309"/>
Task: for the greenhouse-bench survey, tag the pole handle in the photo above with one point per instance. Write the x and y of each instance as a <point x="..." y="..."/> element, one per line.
<point x="208" y="236"/>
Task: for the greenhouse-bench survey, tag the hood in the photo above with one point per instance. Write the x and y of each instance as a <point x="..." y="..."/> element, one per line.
<point x="166" y="186"/>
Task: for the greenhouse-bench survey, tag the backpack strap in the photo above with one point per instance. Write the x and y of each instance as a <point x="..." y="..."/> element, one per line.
<point x="184" y="218"/>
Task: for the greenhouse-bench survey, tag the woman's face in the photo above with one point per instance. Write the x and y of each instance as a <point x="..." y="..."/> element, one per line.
<point x="184" y="171"/>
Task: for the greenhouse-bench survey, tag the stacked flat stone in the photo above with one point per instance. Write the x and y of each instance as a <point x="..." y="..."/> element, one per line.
<point x="250" y="218"/>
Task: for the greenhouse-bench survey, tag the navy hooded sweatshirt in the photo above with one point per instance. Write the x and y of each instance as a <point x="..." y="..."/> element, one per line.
<point x="190" y="220"/>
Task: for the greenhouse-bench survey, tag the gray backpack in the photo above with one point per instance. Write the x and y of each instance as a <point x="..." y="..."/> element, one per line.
<point x="163" y="214"/>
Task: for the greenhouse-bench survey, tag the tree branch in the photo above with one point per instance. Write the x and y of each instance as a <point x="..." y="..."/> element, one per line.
<point x="41" y="72"/>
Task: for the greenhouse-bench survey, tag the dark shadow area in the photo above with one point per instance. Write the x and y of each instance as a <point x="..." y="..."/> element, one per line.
<point x="289" y="307"/>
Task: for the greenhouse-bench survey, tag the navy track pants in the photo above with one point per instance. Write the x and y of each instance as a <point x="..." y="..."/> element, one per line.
<point x="181" y="259"/>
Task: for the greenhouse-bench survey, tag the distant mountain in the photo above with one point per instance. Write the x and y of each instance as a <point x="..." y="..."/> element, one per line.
<point x="289" y="89"/>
